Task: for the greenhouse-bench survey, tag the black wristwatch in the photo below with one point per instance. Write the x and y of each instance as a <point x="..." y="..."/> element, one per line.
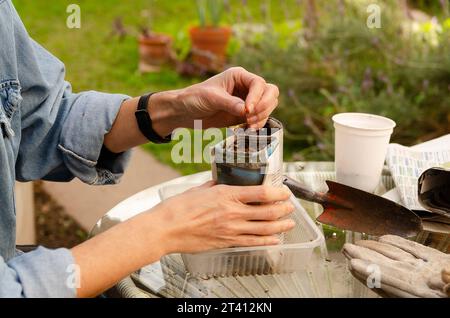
<point x="145" y="122"/>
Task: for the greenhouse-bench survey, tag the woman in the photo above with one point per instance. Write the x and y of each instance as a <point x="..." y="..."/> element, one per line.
<point x="50" y="133"/>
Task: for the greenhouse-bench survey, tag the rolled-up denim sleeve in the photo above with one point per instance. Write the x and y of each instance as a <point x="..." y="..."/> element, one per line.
<point x="40" y="273"/>
<point x="91" y="117"/>
<point x="62" y="131"/>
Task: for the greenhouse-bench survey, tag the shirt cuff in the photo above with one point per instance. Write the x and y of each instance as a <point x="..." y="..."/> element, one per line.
<point x="91" y="116"/>
<point x="45" y="273"/>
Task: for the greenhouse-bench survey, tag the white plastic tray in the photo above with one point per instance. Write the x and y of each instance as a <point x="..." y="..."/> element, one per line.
<point x="290" y="256"/>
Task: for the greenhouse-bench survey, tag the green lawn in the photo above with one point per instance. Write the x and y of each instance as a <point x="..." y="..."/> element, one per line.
<point x="95" y="60"/>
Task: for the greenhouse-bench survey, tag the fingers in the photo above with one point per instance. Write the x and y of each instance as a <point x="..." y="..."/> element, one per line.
<point x="262" y="194"/>
<point x="229" y="103"/>
<point x="387" y="250"/>
<point x="446" y="274"/>
<point x="253" y="84"/>
<point x="400" y="283"/>
<point x="352" y="251"/>
<point x="255" y="92"/>
<point x="260" y="97"/>
<point x="447" y="290"/>
<point x="265" y="227"/>
<point x="262" y="111"/>
<point x="268" y="212"/>
<point x="255" y="240"/>
<point x="418" y="250"/>
<point x="391" y="281"/>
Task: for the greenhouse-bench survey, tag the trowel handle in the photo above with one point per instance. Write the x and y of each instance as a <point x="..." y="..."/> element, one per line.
<point x="302" y="192"/>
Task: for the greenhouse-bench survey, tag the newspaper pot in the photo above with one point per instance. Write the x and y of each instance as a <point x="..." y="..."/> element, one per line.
<point x="154" y="51"/>
<point x="209" y="46"/>
<point x="250" y="157"/>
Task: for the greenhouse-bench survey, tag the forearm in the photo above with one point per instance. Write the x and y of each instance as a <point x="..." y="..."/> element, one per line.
<point x="165" y="112"/>
<point x="114" y="254"/>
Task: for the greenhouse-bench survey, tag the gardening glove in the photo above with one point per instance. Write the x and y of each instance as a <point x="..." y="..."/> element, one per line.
<point x="396" y="267"/>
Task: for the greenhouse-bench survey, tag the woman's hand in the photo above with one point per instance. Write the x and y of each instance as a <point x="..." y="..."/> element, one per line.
<point x="232" y="97"/>
<point x="219" y="216"/>
<point x="203" y="218"/>
<point x="229" y="98"/>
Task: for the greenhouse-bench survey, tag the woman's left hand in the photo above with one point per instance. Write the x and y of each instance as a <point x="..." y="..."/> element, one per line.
<point x="231" y="97"/>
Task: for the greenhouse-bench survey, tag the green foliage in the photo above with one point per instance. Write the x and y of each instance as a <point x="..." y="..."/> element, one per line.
<point x="408" y="78"/>
<point x="209" y="12"/>
<point x="215" y="11"/>
<point x="201" y="12"/>
<point x="401" y="71"/>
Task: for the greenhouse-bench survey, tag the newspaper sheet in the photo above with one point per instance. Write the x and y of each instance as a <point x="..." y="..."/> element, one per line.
<point x="407" y="164"/>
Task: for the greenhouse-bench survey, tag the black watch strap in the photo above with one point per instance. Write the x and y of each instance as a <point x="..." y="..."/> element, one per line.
<point x="145" y="122"/>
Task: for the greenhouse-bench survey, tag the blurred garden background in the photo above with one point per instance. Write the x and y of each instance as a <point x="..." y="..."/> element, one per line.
<point x="322" y="54"/>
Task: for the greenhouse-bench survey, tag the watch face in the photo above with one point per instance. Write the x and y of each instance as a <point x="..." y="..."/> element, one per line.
<point x="434" y="190"/>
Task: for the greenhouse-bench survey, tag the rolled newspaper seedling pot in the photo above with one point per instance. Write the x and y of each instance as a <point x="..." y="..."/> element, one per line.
<point x="249" y="156"/>
<point x="434" y="190"/>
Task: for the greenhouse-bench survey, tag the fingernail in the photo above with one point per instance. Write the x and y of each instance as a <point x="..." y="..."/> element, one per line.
<point x="252" y="119"/>
<point x="291" y="207"/>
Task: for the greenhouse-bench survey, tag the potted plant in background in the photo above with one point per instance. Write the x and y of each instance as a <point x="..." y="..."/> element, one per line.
<point x="210" y="40"/>
<point x="155" y="49"/>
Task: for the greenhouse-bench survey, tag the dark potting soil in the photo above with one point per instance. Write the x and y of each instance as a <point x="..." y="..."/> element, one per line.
<point x="54" y="227"/>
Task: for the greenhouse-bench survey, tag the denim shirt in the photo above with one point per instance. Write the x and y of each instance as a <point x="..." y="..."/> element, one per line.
<point x="46" y="132"/>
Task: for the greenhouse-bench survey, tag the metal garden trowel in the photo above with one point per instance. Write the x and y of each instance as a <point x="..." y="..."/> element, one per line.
<point x="352" y="209"/>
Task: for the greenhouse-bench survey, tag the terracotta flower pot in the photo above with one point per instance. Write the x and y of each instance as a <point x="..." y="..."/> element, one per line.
<point x="154" y="51"/>
<point x="209" y="46"/>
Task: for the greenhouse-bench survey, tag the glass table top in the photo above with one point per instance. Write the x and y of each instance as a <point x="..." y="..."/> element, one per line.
<point x="326" y="274"/>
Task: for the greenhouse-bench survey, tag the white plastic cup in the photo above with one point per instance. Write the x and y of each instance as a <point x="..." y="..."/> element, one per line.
<point x="361" y="142"/>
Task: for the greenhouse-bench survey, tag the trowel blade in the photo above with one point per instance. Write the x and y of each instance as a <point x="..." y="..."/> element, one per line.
<point x="369" y="213"/>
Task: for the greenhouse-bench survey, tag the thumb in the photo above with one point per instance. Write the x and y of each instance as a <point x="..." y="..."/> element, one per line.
<point x="230" y="104"/>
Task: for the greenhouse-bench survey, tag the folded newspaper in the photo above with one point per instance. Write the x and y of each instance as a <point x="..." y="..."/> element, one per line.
<point x="407" y="165"/>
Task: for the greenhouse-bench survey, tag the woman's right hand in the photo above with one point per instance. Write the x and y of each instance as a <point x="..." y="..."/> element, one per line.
<point x="219" y="216"/>
<point x="203" y="218"/>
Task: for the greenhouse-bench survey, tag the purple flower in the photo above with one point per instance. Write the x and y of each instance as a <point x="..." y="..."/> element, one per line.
<point x="367" y="82"/>
<point x="321" y="146"/>
<point x="291" y="92"/>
